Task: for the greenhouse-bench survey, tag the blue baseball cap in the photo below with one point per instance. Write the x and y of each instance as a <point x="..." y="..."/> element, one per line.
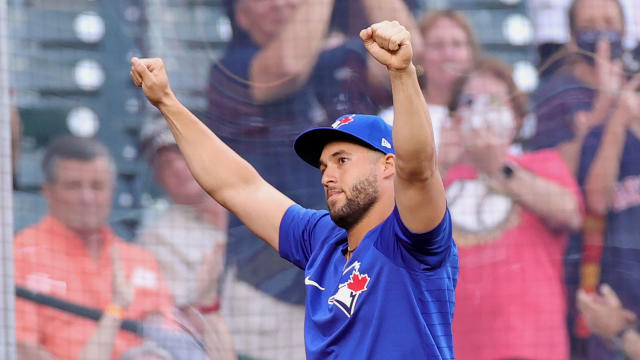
<point x="366" y="130"/>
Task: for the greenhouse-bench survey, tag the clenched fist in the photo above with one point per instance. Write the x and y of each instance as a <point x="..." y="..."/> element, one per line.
<point x="151" y="76"/>
<point x="389" y="43"/>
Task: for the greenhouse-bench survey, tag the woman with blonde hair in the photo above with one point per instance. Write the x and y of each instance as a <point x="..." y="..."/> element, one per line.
<point x="449" y="50"/>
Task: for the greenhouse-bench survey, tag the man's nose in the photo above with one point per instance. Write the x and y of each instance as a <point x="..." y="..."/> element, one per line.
<point x="328" y="177"/>
<point x="87" y="194"/>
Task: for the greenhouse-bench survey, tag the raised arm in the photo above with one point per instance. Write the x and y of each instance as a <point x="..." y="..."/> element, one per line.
<point x="390" y="10"/>
<point x="603" y="174"/>
<point x="284" y="64"/>
<point x="222" y="173"/>
<point x="419" y="191"/>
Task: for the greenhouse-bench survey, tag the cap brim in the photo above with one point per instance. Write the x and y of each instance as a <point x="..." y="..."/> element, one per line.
<point x="309" y="144"/>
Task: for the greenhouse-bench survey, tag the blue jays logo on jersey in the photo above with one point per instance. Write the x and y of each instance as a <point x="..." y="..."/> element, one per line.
<point x="342" y="121"/>
<point x="348" y="292"/>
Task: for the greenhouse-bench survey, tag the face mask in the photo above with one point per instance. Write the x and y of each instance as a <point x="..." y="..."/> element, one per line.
<point x="588" y="40"/>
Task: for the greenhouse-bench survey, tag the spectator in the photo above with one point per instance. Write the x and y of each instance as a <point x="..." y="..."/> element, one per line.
<point x="187" y="239"/>
<point x="449" y="49"/>
<point x="510" y="214"/>
<point x="280" y="75"/>
<point x="610" y="174"/>
<point x="551" y="30"/>
<point x="67" y="255"/>
<point x="582" y="93"/>
<point x="607" y="318"/>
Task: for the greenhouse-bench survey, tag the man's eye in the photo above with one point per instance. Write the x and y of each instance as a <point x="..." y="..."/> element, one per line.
<point x="342" y="160"/>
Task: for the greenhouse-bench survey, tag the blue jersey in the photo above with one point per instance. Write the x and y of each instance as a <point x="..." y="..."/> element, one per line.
<point x="393" y="299"/>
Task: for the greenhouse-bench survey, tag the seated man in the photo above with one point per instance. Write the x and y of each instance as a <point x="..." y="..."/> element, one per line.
<point x="72" y="254"/>
<point x="187" y="239"/>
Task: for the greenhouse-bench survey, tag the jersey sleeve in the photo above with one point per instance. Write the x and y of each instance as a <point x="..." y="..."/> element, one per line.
<point x="298" y="234"/>
<point x="424" y="251"/>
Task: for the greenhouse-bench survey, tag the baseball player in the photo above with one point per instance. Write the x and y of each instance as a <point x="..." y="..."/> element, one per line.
<point x="381" y="265"/>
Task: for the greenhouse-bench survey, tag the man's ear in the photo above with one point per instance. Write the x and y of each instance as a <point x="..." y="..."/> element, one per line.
<point x="389" y="162"/>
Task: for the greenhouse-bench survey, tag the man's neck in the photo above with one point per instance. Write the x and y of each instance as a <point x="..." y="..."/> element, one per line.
<point x="376" y="215"/>
<point x="93" y="240"/>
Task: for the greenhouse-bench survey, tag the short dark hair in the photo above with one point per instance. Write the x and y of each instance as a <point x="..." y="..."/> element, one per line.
<point x="574" y="8"/>
<point x="76" y="148"/>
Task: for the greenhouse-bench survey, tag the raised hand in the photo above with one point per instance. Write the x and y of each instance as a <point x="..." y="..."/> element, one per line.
<point x="122" y="290"/>
<point x="151" y="76"/>
<point x="208" y="279"/>
<point x="609" y="72"/>
<point x="487" y="151"/>
<point x="389" y="43"/>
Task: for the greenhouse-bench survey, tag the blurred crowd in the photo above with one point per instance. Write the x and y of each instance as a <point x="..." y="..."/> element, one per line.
<point x="543" y="189"/>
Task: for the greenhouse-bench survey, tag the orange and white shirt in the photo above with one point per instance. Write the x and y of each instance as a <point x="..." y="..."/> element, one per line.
<point x="51" y="259"/>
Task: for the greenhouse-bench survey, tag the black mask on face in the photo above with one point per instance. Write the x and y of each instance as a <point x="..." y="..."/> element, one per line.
<point x="587" y="41"/>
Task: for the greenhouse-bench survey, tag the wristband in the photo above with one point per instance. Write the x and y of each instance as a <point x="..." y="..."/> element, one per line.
<point x="507" y="170"/>
<point x="114" y="311"/>
<point x="215" y="307"/>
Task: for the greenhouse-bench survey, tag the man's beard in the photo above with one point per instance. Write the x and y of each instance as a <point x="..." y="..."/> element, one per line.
<point x="364" y="194"/>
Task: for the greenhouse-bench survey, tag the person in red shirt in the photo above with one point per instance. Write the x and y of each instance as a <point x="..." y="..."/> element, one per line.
<point x="511" y="213"/>
<point x="72" y="254"/>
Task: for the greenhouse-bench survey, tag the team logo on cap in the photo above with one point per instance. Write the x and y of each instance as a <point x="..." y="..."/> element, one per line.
<point x="348" y="292"/>
<point x="343" y="120"/>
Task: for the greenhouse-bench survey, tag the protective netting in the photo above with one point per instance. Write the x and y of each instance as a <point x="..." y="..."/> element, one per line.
<point x="535" y="108"/>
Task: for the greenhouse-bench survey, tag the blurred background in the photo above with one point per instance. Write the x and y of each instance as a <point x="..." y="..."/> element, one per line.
<point x="68" y="73"/>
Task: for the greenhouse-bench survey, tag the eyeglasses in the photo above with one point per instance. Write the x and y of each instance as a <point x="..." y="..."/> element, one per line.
<point x="473" y="100"/>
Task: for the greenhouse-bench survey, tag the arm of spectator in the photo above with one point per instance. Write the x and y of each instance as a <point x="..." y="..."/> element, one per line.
<point x="217" y="337"/>
<point x="605" y="169"/>
<point x="609" y="75"/>
<point x="558" y="205"/>
<point x="419" y="191"/>
<point x="205" y="312"/>
<point x="631" y="344"/>
<point x="238" y="187"/>
<point x="283" y="65"/>
<point x="606" y="317"/>
<point x="378" y="11"/>
<point x="101" y="344"/>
